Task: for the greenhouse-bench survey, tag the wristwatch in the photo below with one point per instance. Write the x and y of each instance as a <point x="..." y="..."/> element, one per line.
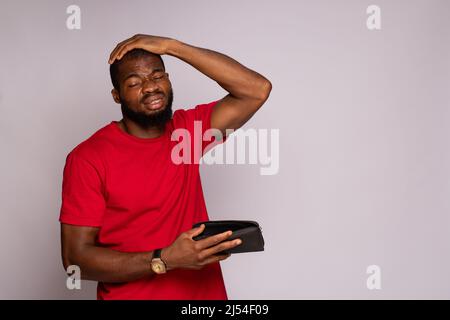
<point x="158" y="265"/>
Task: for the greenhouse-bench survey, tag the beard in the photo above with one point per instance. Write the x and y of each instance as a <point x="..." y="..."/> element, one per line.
<point x="146" y="121"/>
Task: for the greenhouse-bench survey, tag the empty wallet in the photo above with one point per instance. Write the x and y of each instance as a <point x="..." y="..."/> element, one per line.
<point x="248" y="231"/>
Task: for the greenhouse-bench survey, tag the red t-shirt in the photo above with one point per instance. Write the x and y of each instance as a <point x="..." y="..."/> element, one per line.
<point x="141" y="200"/>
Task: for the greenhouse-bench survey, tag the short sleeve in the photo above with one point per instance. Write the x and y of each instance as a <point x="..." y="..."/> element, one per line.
<point x="203" y="113"/>
<point x="83" y="202"/>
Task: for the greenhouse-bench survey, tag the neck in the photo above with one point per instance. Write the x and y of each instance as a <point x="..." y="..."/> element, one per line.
<point x="134" y="129"/>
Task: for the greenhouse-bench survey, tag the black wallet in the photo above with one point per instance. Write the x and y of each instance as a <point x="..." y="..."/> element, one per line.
<point x="248" y="231"/>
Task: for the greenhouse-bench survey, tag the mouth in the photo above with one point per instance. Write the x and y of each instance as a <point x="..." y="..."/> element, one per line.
<point x="154" y="103"/>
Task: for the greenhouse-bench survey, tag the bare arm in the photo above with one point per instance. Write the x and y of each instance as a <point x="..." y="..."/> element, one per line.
<point x="101" y="264"/>
<point x="79" y="248"/>
<point x="247" y="89"/>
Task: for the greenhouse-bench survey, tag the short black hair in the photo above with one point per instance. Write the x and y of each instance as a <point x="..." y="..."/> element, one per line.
<point x="132" y="54"/>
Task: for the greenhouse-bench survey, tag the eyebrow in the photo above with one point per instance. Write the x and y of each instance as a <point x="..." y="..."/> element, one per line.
<point x="134" y="74"/>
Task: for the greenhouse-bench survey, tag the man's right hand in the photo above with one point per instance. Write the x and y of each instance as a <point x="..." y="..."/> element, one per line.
<point x="187" y="253"/>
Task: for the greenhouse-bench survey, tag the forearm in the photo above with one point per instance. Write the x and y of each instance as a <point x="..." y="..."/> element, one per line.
<point x="235" y="78"/>
<point x="106" y="265"/>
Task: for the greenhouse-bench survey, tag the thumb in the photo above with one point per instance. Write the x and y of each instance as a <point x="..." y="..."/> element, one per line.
<point x="196" y="231"/>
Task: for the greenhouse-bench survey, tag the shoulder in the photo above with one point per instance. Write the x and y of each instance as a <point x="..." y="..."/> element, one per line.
<point x="182" y="118"/>
<point x="91" y="149"/>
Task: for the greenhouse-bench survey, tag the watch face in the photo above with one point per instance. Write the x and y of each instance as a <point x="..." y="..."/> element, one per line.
<point x="158" y="266"/>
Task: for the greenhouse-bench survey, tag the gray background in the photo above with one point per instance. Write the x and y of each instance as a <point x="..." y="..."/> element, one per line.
<point x="364" y="138"/>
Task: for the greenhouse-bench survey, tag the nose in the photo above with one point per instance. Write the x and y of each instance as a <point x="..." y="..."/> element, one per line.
<point x="149" y="85"/>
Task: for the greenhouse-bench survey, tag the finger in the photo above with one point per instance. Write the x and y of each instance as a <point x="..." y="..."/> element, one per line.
<point x="119" y="50"/>
<point x="221" y="247"/>
<point x="216" y="258"/>
<point x="196" y="231"/>
<point x="213" y="240"/>
<point x="120" y="44"/>
<point x="120" y="47"/>
<point x="127" y="47"/>
<point x="116" y="49"/>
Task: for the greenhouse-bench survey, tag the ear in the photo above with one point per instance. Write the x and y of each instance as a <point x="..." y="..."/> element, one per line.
<point x="115" y="95"/>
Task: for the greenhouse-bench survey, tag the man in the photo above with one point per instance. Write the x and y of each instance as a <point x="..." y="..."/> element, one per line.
<point x="127" y="209"/>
